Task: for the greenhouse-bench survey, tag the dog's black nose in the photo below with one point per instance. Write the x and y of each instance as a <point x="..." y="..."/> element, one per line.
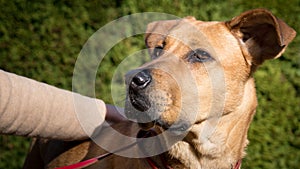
<point x="141" y="80"/>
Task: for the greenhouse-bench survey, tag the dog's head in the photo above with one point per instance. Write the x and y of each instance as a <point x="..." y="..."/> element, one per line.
<point x="201" y="70"/>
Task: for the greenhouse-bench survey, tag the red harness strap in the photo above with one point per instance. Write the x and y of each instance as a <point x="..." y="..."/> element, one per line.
<point x="238" y="164"/>
<point x="151" y="163"/>
<point x="155" y="166"/>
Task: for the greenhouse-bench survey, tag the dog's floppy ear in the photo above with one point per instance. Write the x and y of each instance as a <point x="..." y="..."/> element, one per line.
<point x="156" y="33"/>
<point x="262" y="35"/>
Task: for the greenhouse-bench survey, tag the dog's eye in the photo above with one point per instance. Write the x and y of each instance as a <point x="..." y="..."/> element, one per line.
<point x="157" y="51"/>
<point x="199" y="55"/>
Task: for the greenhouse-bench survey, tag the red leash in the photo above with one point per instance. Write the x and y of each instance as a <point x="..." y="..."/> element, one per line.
<point x="91" y="161"/>
<point x="82" y="164"/>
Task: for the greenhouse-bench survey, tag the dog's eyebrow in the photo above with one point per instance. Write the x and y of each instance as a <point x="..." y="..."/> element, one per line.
<point x="160" y="43"/>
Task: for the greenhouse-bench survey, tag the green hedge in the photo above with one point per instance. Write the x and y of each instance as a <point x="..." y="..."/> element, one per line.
<point x="42" y="40"/>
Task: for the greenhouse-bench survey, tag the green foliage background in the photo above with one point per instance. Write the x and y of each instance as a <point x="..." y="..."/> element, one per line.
<point x="42" y="39"/>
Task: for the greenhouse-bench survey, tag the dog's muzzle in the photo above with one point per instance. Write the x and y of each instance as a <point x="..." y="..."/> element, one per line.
<point x="148" y="99"/>
<point x="138" y="104"/>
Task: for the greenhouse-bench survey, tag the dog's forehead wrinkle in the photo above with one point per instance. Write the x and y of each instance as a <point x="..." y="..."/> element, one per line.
<point x="190" y="37"/>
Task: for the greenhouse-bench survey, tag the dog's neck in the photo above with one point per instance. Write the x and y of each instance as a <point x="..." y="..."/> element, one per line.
<point x="225" y="146"/>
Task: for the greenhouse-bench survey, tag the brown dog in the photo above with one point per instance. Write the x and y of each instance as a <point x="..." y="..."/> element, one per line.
<point x="199" y="85"/>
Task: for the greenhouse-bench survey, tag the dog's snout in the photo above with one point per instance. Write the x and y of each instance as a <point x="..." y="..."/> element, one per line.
<point x="141" y="80"/>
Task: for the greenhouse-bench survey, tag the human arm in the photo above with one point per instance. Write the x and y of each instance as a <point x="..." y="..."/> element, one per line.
<point x="35" y="109"/>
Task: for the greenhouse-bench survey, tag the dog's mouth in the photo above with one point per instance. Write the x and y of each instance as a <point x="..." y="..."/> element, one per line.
<point x="152" y="110"/>
<point x="152" y="113"/>
<point x="147" y="126"/>
<point x="177" y="128"/>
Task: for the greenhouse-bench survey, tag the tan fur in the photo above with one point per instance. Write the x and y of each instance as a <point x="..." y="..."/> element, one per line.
<point x="216" y="95"/>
